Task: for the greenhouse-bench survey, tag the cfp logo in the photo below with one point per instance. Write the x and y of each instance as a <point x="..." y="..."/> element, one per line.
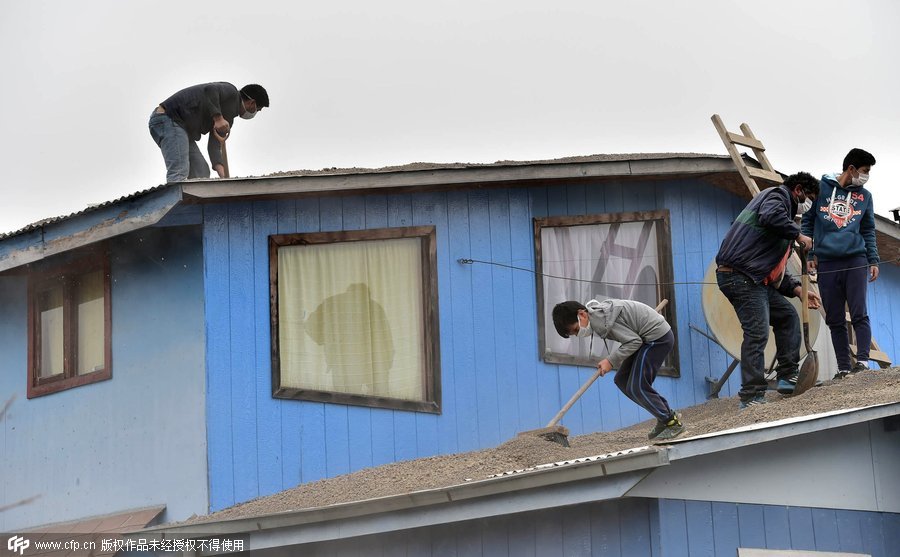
<point x="17" y="544"/>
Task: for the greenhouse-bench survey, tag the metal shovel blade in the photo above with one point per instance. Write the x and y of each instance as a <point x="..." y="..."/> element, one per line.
<point x="809" y="370"/>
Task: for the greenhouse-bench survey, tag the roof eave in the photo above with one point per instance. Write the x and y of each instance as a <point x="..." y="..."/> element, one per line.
<point x="565" y="483"/>
<point x="442" y="178"/>
<point x="87" y="228"/>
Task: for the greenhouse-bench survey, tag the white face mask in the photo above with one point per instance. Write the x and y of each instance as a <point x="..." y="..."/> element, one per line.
<point x="247" y="115"/>
<point x="584" y="332"/>
<point x="860" y="180"/>
<point x="805" y="206"/>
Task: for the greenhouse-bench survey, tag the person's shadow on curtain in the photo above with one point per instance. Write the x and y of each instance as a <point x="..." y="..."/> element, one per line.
<point x="355" y="334"/>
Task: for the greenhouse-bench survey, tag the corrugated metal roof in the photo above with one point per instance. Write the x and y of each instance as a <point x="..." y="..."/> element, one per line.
<point x="51" y="220"/>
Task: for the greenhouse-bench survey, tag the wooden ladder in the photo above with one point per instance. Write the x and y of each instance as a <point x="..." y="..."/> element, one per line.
<point x="749" y="173"/>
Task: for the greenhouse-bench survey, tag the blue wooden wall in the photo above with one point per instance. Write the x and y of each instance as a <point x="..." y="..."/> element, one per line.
<point x="610" y="529"/>
<point x="702" y="528"/>
<point x="631" y="528"/>
<point x="493" y="383"/>
<point x="135" y="440"/>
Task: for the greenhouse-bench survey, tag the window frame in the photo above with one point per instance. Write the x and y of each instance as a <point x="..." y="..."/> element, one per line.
<point x="666" y="278"/>
<point x="431" y="374"/>
<point x="42" y="279"/>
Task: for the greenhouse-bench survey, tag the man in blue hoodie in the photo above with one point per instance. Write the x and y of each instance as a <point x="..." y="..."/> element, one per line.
<point x="842" y="225"/>
<point x="752" y="273"/>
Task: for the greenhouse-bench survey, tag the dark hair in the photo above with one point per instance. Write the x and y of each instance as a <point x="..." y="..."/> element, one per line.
<point x="808" y="184"/>
<point x="565" y="314"/>
<point x="256" y="93"/>
<point x="857" y="158"/>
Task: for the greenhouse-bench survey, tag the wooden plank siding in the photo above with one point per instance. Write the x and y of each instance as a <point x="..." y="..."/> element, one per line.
<point x="493" y="382"/>
<point x="133" y="441"/>
<point x="714" y="529"/>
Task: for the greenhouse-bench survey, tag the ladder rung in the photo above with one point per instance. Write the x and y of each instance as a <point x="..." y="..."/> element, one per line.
<point x="746" y="141"/>
<point x="766" y="175"/>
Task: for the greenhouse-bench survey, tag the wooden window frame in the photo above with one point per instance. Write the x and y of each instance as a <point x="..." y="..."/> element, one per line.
<point x="431" y="375"/>
<point x="666" y="268"/>
<point x="40" y="280"/>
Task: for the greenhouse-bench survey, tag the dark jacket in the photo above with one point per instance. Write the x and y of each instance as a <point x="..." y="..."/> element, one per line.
<point x="841" y="222"/>
<point x="193" y="109"/>
<point x="760" y="236"/>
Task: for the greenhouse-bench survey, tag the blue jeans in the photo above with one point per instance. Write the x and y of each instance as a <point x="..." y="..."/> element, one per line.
<point x="182" y="156"/>
<point x="758" y="307"/>
<point x="843" y="283"/>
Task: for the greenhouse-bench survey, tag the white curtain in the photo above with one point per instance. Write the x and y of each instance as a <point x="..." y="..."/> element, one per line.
<point x="51" y="310"/>
<point x="606" y="260"/>
<point x="350" y="317"/>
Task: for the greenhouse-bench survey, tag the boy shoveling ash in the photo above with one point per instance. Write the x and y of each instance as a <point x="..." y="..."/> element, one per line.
<point x="646" y="339"/>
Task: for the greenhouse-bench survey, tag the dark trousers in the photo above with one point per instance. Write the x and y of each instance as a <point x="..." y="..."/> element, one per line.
<point x="758" y="307"/>
<point x="636" y="374"/>
<point x="844" y="282"/>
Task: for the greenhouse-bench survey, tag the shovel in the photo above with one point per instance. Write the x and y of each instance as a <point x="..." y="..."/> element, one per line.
<point x="809" y="371"/>
<point x="224" y="152"/>
<point x="560" y="434"/>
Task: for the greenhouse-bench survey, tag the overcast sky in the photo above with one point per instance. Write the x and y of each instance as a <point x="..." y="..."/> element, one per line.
<point x="362" y="83"/>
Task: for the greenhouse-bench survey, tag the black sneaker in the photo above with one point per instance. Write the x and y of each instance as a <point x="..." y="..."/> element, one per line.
<point x="859" y="366"/>
<point x="668" y="429"/>
<point x="841" y="373"/>
<point x="755" y="401"/>
<point x="786" y="384"/>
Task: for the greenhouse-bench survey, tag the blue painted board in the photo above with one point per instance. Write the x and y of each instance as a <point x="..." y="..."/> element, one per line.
<point x="218" y="357"/>
<point x="827" y="537"/>
<point x="243" y="351"/>
<point x="606" y="540"/>
<point x="801" y="528"/>
<point x="269" y="434"/>
<point x="753" y="525"/>
<point x="576" y="535"/>
<point x="778" y="535"/>
<point x="503" y="302"/>
<point x="699" y="528"/>
<point x="486" y="391"/>
<point x="725" y="528"/>
<point x="461" y="286"/>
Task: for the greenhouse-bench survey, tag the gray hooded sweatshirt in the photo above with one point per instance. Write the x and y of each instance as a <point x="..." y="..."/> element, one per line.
<point x="627" y="322"/>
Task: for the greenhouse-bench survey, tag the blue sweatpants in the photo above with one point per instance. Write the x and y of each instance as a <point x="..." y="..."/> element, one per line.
<point x="841" y="282"/>
<point x="636" y="374"/>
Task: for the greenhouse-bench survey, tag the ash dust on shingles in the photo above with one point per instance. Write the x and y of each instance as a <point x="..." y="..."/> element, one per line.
<point x="860" y="390"/>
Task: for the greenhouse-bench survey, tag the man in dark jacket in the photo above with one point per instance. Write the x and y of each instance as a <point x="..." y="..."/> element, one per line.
<point x="752" y="273"/>
<point x="179" y="121"/>
<point x="842" y="224"/>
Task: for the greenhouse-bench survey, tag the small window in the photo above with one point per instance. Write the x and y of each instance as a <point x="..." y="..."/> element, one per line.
<point x="622" y="255"/>
<point x="355" y="319"/>
<point x="69" y="327"/>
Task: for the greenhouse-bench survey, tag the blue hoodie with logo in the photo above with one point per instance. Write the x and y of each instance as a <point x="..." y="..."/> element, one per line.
<point x="841" y="222"/>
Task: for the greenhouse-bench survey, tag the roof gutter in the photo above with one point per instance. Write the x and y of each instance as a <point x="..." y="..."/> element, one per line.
<point x="564" y="483"/>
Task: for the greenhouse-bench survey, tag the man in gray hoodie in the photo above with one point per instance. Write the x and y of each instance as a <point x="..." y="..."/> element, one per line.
<point x="645" y="340"/>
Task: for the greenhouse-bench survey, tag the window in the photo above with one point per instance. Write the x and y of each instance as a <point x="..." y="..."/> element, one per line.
<point x="624" y="255"/>
<point x="355" y="317"/>
<point x="69" y="326"/>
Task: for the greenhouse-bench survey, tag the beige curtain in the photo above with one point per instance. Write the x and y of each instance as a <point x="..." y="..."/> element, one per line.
<point x="51" y="310"/>
<point x="350" y="317"/>
<point x="91" y="326"/>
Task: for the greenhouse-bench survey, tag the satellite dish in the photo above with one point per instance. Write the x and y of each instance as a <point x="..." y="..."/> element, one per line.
<point x="724" y="324"/>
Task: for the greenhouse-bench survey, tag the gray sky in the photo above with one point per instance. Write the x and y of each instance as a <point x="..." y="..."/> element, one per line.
<point x="362" y="83"/>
